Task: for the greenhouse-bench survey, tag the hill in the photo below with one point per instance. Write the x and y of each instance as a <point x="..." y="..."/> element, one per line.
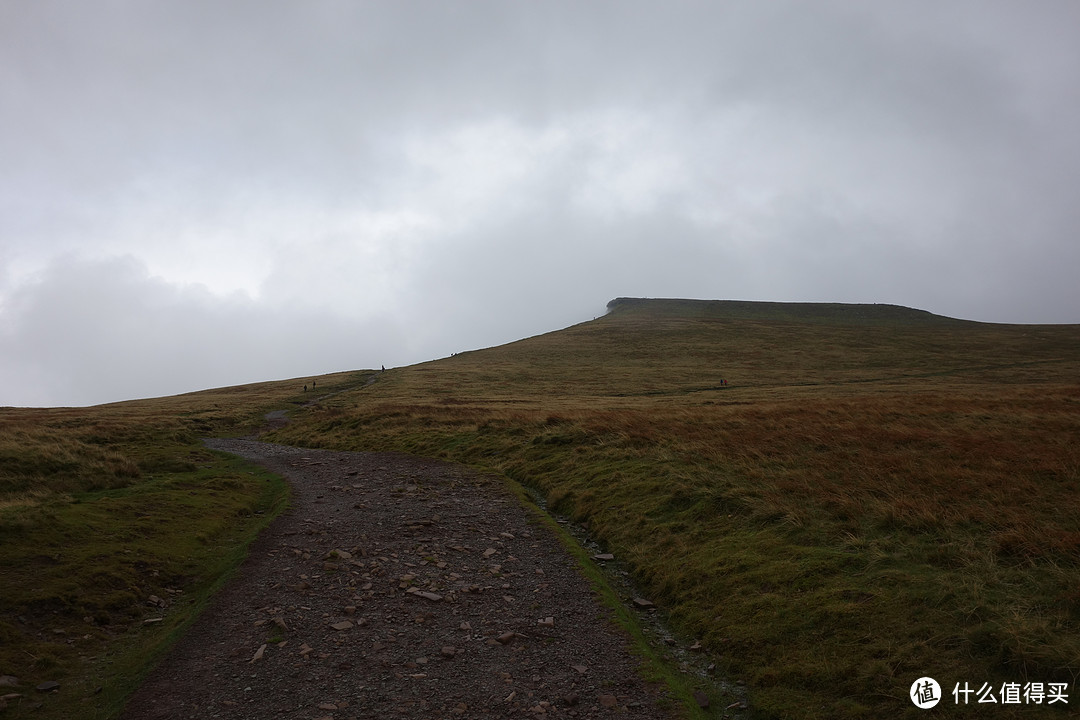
<point x="835" y="499"/>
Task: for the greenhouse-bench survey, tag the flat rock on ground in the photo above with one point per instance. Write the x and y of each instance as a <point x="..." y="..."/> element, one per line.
<point x="398" y="587"/>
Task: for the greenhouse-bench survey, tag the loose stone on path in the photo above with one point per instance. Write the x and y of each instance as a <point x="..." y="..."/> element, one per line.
<point x="411" y="588"/>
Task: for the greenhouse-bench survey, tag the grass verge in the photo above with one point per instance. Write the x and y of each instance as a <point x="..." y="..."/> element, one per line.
<point x="116" y="528"/>
<point x="98" y="585"/>
<point x="655" y="668"/>
<point x="867" y="500"/>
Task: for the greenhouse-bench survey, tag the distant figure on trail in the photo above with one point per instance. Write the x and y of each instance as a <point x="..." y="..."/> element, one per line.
<point x="384" y="368"/>
<point x="313" y="386"/>
<point x="305" y="388"/>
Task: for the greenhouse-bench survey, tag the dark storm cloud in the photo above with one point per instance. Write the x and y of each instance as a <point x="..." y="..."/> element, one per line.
<point x="447" y="175"/>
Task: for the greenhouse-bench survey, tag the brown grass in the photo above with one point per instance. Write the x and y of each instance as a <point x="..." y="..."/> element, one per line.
<point x="877" y="494"/>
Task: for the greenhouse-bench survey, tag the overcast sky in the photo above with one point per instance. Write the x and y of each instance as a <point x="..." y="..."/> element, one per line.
<point x="196" y="193"/>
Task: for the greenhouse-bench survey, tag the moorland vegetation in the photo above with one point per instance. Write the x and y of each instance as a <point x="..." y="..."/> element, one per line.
<point x="116" y="526"/>
<point x="833" y="499"/>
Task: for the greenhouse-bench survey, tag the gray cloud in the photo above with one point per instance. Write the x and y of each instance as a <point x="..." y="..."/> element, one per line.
<point x="436" y="176"/>
<point x="87" y="332"/>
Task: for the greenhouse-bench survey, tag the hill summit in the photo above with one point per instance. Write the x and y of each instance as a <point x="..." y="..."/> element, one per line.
<point x="833" y="499"/>
<point x="855" y="313"/>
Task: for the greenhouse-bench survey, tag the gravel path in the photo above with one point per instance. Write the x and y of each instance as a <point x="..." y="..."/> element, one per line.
<point x="398" y="587"/>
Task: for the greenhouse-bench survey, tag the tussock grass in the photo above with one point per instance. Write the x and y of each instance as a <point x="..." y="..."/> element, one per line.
<point x="877" y="494"/>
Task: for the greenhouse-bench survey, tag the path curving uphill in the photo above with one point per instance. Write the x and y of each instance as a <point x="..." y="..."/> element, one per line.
<point x="398" y="587"/>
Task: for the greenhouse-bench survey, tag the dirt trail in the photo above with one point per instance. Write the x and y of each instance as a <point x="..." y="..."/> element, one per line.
<point x="398" y="587"/>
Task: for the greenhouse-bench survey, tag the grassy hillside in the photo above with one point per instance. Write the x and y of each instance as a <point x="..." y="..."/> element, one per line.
<point x="103" y="509"/>
<point x="876" y="494"/>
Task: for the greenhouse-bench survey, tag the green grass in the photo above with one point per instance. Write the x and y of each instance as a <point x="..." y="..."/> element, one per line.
<point x="655" y="666"/>
<point x="102" y="508"/>
<point x="877" y="495"/>
<point x="96" y="560"/>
